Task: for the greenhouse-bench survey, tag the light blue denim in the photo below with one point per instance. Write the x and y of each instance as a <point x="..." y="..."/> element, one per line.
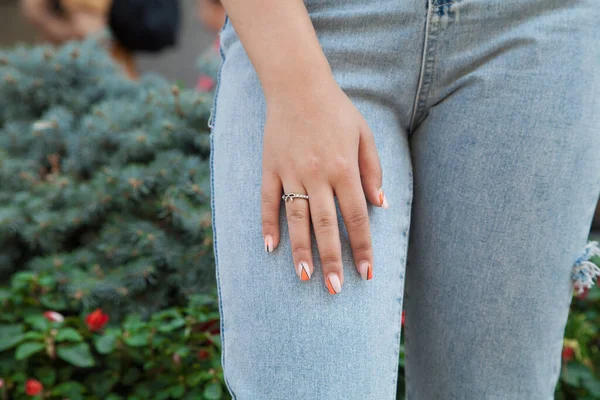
<point x="486" y="115"/>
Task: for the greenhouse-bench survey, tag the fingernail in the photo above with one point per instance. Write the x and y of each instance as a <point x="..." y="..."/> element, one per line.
<point x="303" y="271"/>
<point x="268" y="243"/>
<point x="383" y="200"/>
<point x="333" y="283"/>
<point x="366" y="270"/>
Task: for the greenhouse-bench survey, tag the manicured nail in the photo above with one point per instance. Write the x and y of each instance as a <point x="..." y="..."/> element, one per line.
<point x="268" y="243"/>
<point x="303" y="271"/>
<point x="383" y="200"/>
<point x="333" y="283"/>
<point x="366" y="270"/>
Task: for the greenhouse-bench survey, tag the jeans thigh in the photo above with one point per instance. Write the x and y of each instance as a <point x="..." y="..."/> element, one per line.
<point x="507" y="176"/>
<point x="283" y="338"/>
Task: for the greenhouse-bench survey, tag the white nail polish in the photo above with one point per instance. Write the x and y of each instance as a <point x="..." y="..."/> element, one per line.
<point x="268" y="243"/>
<point x="363" y="270"/>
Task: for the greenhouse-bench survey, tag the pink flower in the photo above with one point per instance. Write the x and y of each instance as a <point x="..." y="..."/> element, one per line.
<point x="1" y="383"/>
<point x="583" y="294"/>
<point x="205" y="84"/>
<point x="96" y="320"/>
<point x="53" y="316"/>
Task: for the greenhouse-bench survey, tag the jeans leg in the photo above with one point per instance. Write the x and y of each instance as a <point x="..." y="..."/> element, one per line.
<point x="507" y="176"/>
<point x="289" y="339"/>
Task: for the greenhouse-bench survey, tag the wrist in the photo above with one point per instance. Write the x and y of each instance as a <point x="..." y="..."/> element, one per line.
<point x="299" y="83"/>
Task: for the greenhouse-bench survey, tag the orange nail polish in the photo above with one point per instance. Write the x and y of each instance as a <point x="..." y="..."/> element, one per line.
<point x="383" y="200"/>
<point x="333" y="284"/>
<point x="370" y="272"/>
<point x="304" y="271"/>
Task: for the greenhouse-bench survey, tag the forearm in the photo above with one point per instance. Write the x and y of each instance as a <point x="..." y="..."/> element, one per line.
<point x="280" y="40"/>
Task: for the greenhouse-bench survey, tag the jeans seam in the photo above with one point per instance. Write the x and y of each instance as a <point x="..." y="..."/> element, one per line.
<point x="427" y="66"/>
<point x="211" y="124"/>
<point x="403" y="272"/>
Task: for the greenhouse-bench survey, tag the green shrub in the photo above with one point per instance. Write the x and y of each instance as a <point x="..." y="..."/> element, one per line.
<point x="173" y="355"/>
<point x="103" y="180"/>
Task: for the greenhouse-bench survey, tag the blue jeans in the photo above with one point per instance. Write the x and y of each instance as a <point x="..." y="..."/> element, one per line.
<point x="486" y="115"/>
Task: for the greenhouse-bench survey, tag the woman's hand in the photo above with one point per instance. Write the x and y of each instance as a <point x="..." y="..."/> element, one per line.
<point x="316" y="142"/>
<point x="75" y="25"/>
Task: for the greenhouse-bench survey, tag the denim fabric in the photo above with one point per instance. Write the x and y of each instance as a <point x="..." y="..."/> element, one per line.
<point x="486" y="117"/>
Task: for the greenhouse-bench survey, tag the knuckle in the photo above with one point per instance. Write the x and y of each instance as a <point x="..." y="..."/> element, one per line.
<point x="297" y="216"/>
<point x="269" y="225"/>
<point x="330" y="260"/>
<point x="312" y="166"/>
<point x="357" y="220"/>
<point x="342" y="169"/>
<point x="300" y="247"/>
<point x="325" y="222"/>
<point x="269" y="200"/>
<point x="362" y="247"/>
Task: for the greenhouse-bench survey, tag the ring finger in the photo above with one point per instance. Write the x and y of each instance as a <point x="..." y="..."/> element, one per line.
<point x="298" y="218"/>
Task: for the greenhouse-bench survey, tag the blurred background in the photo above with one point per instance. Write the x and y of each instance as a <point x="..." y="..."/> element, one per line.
<point x="175" y="64"/>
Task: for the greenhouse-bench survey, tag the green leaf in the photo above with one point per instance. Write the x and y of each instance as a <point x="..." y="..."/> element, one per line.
<point x="178" y="391"/>
<point x="46" y="375"/>
<point x="5" y="295"/>
<point x="593" y="386"/>
<point x="33" y="335"/>
<point x="575" y="372"/>
<point x="28" y="349"/>
<point x="71" y="390"/>
<point x="38" y="322"/>
<point x="138" y="340"/>
<point x="213" y="391"/>
<point x="78" y="355"/>
<point x="47" y="281"/>
<point x="171" y="325"/>
<point x="54" y="301"/>
<point x="105" y="344"/>
<point x="10" y="336"/>
<point x="21" y="280"/>
<point x="68" y="335"/>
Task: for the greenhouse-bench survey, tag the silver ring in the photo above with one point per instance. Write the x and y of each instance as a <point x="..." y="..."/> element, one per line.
<point x="291" y="196"/>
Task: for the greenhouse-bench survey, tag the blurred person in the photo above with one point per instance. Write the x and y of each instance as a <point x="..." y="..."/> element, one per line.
<point x="136" y="25"/>
<point x="370" y="154"/>
<point x="212" y="16"/>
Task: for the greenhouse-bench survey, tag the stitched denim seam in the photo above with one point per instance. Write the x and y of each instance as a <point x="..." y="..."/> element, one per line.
<point x="403" y="272"/>
<point x="211" y="122"/>
<point x="427" y="69"/>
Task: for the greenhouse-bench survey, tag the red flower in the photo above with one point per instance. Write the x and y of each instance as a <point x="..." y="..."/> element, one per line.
<point x="205" y="84"/>
<point x="567" y="354"/>
<point x="53" y="316"/>
<point x="203" y="354"/>
<point x="33" y="387"/>
<point x="402" y="318"/>
<point x="96" y="320"/>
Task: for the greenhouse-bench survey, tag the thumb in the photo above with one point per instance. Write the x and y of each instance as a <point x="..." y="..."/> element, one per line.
<point x="370" y="169"/>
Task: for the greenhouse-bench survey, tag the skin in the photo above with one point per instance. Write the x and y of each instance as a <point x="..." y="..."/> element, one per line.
<point x="211" y="14"/>
<point x="315" y="141"/>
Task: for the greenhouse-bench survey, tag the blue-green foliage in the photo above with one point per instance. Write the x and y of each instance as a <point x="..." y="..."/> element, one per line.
<point x="103" y="180"/>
